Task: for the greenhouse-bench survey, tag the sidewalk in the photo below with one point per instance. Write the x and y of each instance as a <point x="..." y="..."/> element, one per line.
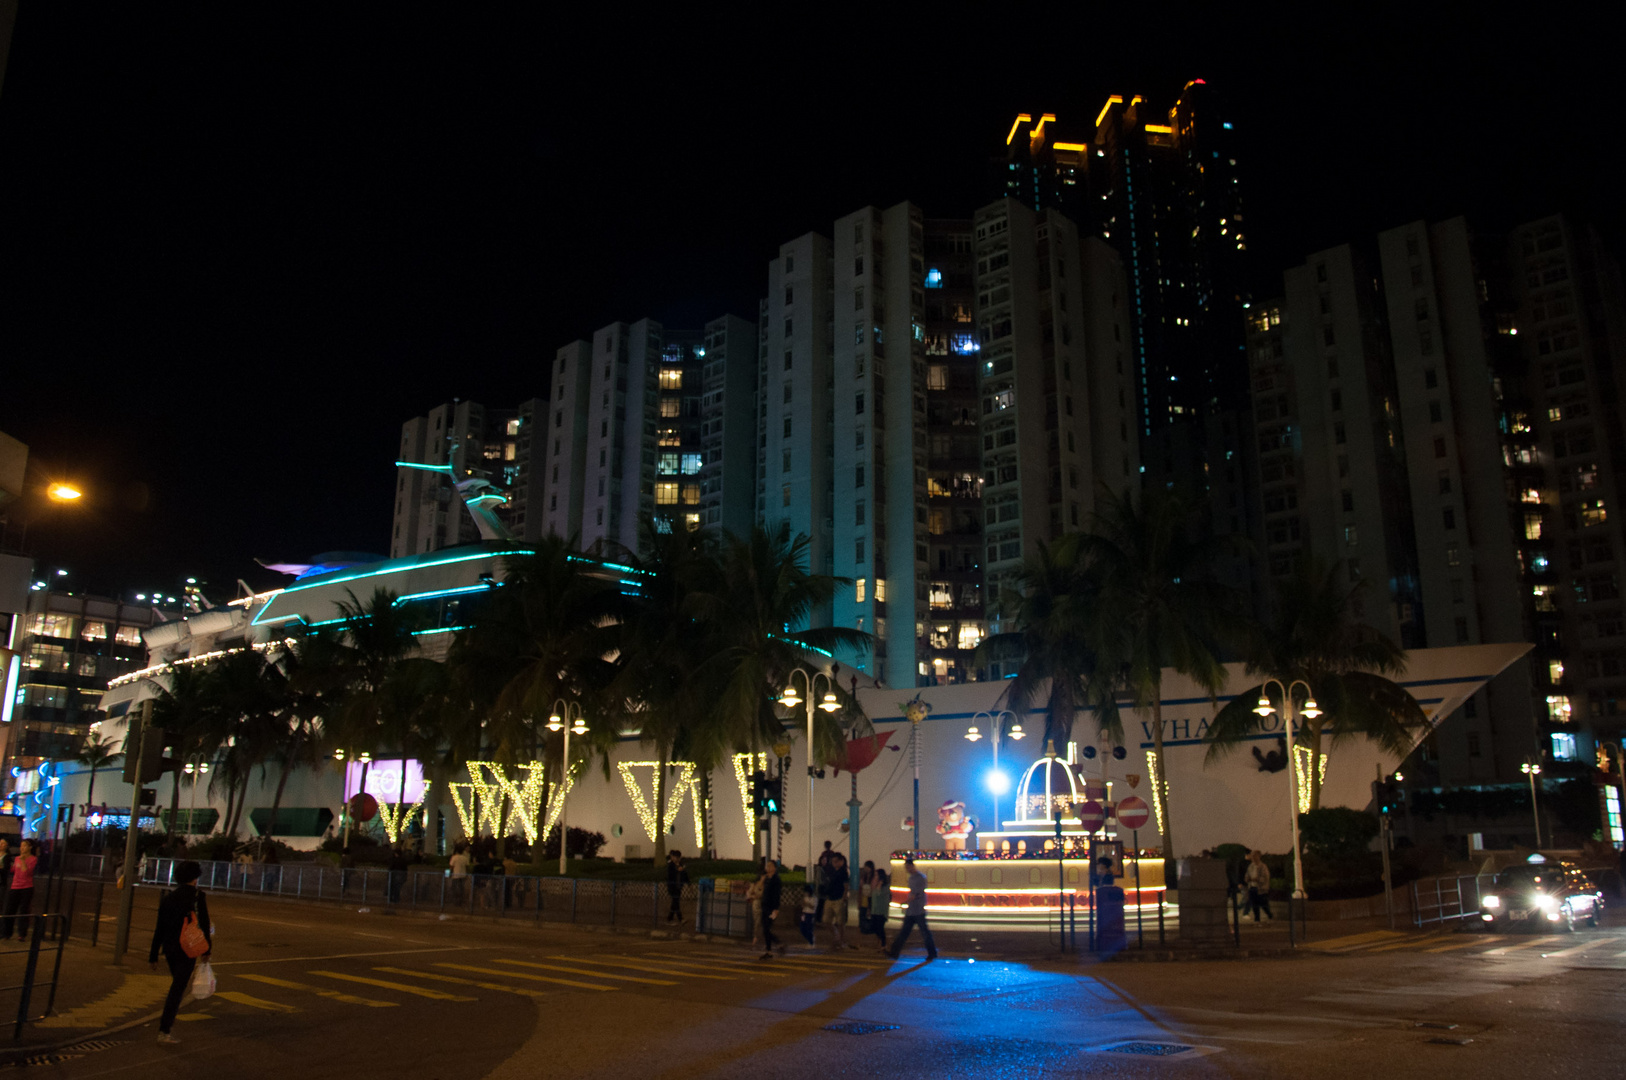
<point x="92" y="996"/>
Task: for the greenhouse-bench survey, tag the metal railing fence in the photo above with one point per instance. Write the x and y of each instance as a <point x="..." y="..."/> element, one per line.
<point x="1443" y="899"/>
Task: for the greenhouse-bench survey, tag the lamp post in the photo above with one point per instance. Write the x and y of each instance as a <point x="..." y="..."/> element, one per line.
<point x="568" y="715"/>
<point x="366" y="760"/>
<point x="1310" y="710"/>
<point x="1532" y="770"/>
<point x="789" y="699"/>
<point x="997" y="783"/>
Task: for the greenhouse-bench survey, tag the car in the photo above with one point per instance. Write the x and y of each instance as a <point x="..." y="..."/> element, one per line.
<point x="1540" y="895"/>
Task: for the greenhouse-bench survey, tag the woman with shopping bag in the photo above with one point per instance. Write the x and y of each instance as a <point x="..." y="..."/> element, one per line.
<point x="183" y="934"/>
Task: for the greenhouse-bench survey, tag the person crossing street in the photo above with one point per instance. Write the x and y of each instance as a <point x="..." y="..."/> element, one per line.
<point x="914" y="914"/>
<point x="186" y="899"/>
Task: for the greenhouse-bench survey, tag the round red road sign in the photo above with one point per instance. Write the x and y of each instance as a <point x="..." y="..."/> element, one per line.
<point x="1133" y="813"/>
<point x="363" y="807"/>
<point x="1091" y="815"/>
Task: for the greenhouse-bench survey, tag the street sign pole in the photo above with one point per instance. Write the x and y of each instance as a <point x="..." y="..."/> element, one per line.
<point x="1140" y="930"/>
<point x="121" y="939"/>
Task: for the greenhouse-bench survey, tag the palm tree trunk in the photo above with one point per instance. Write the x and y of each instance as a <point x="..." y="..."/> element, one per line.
<point x="242" y="801"/>
<point x="756" y="833"/>
<point x="705" y="813"/>
<point x="231" y="801"/>
<point x="90" y="792"/>
<point x="1162" y="778"/>
<point x="660" y="808"/>
<point x="276" y="800"/>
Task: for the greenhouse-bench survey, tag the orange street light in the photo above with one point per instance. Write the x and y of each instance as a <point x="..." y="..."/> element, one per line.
<point x="63" y="492"/>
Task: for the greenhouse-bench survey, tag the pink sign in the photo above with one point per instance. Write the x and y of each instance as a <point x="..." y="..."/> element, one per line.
<point x="384" y="780"/>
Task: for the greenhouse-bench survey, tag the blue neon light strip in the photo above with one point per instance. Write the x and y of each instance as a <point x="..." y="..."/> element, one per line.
<point x="393" y="567"/>
<point x="442" y="592"/>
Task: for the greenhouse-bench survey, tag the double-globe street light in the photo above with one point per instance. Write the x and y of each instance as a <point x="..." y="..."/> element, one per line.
<point x="1309" y="710"/>
<point x="1532" y="770"/>
<point x="998" y="782"/>
<point x="789" y="699"/>
<point x="568" y="716"/>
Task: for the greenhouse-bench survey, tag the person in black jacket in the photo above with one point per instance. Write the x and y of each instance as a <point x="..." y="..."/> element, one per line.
<point x="185" y="899"/>
<point x="677" y="876"/>
<point x="772" y="890"/>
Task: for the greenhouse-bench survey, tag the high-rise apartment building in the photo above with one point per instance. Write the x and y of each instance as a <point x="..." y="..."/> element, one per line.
<point x="728" y="425"/>
<point x="1445" y="423"/>
<point x="929" y="344"/>
<point x="475" y="442"/>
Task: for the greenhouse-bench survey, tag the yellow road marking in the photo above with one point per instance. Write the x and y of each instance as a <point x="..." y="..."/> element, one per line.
<point x="1355" y="941"/>
<point x="193" y="1016"/>
<point x="254" y="1002"/>
<point x="594" y="974"/>
<point x="811" y="963"/>
<point x="1545" y="939"/>
<point x="136" y="992"/>
<point x="351" y="999"/>
<point x="1470" y="943"/>
<point x="637" y="965"/>
<point x="405" y="988"/>
<point x="525" y="991"/>
<point x="718" y="965"/>
<point x="1410" y="943"/>
<point x="524" y="975"/>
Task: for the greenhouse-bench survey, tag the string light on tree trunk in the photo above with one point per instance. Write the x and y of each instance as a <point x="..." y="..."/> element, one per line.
<point x="687" y="783"/>
<point x="743" y="778"/>
<point x="1301" y="771"/>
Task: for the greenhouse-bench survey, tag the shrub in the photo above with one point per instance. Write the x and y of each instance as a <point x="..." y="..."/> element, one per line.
<point x="1337" y="832"/>
<point x="583" y="844"/>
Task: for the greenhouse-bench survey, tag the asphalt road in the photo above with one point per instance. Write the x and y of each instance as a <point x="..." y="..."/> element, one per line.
<point x="308" y="992"/>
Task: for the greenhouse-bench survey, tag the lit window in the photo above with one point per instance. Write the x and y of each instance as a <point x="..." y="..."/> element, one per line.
<point x="691" y="494"/>
<point x="934" y="278"/>
<point x="1531" y="495"/>
<point x="670" y="436"/>
<point x="671" y="406"/>
<point x="880" y="590"/>
<point x="668" y="464"/>
<point x="1593" y="512"/>
<point x="1558" y="708"/>
<point x="941" y="595"/>
<point x="94" y="631"/>
<point x="513" y="427"/>
<point x="937" y="377"/>
<point x="1564" y="748"/>
<point x="1544" y="597"/>
<point x="671" y="379"/>
<point x="859" y="589"/>
<point x="691" y="522"/>
<point x="970" y="636"/>
<point x="691" y="464"/>
<point x="1532" y="526"/>
<point x="666" y="494"/>
<point x="1555" y="671"/>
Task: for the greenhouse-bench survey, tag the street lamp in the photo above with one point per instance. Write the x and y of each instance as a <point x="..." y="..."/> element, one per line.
<point x="789" y="699"/>
<point x="61" y="492"/>
<point x="568" y="715"/>
<point x="1532" y="770"/>
<point x="1310" y="710"/>
<point x="997" y="781"/>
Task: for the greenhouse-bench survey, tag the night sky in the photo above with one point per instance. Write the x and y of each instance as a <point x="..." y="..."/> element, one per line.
<point x="237" y="251"/>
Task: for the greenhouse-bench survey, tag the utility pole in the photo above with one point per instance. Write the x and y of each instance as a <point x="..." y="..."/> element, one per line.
<point x="121" y="939"/>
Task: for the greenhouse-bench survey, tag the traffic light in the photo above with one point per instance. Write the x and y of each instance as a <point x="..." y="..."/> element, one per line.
<point x="773" y="795"/>
<point x="1386" y="796"/>
<point x="153" y="762"/>
<point x="759" y="785"/>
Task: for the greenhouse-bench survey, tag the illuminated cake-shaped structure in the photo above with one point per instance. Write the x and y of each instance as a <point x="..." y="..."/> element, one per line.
<point x="1017" y="873"/>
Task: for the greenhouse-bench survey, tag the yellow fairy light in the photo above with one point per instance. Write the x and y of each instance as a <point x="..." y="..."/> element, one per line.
<point x="744" y="780"/>
<point x="1157" y="791"/>
<point x="1301" y="773"/>
<point x="556" y="801"/>
<point x="462" y="796"/>
<point x="395" y="817"/>
<point x="686" y="783"/>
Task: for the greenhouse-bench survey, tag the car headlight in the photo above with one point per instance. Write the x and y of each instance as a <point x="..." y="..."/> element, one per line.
<point x="1492" y="901"/>
<point x="1545" y="902"/>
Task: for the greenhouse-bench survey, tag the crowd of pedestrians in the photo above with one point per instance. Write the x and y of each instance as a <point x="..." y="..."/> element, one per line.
<point x="827" y="902"/>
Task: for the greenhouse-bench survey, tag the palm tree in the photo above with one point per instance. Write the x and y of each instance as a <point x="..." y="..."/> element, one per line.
<point x="663" y="646"/>
<point x="188" y="711"/>
<point x="252" y="721"/>
<point x="1057" y="642"/>
<point x="1161" y="605"/>
<point x="755" y="607"/>
<point x="1314" y="634"/>
<point x="547" y="634"/>
<point x="96" y="753"/>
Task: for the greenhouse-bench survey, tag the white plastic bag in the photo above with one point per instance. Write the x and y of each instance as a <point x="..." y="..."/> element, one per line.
<point x="203" y="981"/>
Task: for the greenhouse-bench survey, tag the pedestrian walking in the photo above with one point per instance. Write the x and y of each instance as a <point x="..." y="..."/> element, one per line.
<point x="183" y="904"/>
<point x="772" y="890"/>
<point x="754" y="896"/>
<point x="815" y="885"/>
<point x="914" y="914"/>
<point x="398" y="873"/>
<point x="834" y="888"/>
<point x="1257" y="878"/>
<point x="677" y="876"/>
<point x="459" y="866"/>
<point x="20" y="898"/>
<point x="880" y="903"/>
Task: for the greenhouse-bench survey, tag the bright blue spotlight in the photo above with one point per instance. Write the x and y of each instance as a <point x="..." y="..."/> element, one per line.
<point x="998" y="782"/>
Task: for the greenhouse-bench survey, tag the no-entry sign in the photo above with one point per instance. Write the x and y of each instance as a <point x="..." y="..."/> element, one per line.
<point x="1133" y="812"/>
<point x="1091" y="815"/>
